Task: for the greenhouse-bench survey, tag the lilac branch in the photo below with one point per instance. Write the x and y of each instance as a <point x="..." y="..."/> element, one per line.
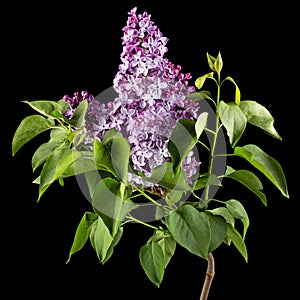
<point x="210" y="273"/>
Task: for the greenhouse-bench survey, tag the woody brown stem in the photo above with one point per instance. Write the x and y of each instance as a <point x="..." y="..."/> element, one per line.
<point x="210" y="273"/>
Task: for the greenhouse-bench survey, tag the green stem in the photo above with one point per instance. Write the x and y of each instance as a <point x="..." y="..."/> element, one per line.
<point x="212" y="155"/>
<point x="135" y="196"/>
<point x="196" y="196"/>
<point x="148" y="197"/>
<point x="206" y="147"/>
<point x="209" y="130"/>
<point x="216" y="200"/>
<point x="141" y="222"/>
<point x="226" y="154"/>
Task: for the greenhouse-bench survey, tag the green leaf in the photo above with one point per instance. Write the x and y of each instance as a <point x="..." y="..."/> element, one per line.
<point x="37" y="180"/>
<point x="174" y="196"/>
<point x="84" y="164"/>
<point x="164" y="176"/>
<point x="116" y="240"/>
<point x="153" y="262"/>
<point x="102" y="157"/>
<point x="82" y="232"/>
<point x="110" y="204"/>
<point x="120" y="151"/>
<point x="92" y="233"/>
<point x="113" y="155"/>
<point x="101" y="238"/>
<point x="259" y="116"/>
<point x="229" y="170"/>
<point x="200" y="80"/>
<point x="92" y="178"/>
<point x="45" y="107"/>
<point x="200" y="95"/>
<point x="238" y="211"/>
<point x="167" y="243"/>
<point x="205" y="180"/>
<point x="182" y="141"/>
<point x="238" y="241"/>
<point x="59" y="115"/>
<point x="250" y="181"/>
<point x="223" y="212"/>
<point x="160" y="211"/>
<point x="268" y="165"/>
<point x="47" y="149"/>
<point x="64" y="105"/>
<point x="233" y="120"/>
<point x="211" y="61"/>
<point x="201" y="124"/>
<point x="61" y="181"/>
<point x="218" y="229"/>
<point x="47" y="176"/>
<point x="29" y="128"/>
<point x="218" y="64"/>
<point x="190" y="228"/>
<point x="76" y="137"/>
<point x="65" y="162"/>
<point x="237" y="90"/>
<point x="78" y="118"/>
<point x="110" y="134"/>
<point x="195" y="96"/>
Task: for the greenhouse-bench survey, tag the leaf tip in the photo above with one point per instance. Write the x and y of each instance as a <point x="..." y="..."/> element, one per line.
<point x="14" y="148"/>
<point x="39" y="198"/>
<point x="284" y="191"/>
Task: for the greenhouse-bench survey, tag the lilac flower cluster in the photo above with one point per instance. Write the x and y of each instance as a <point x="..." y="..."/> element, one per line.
<point x="151" y="98"/>
<point x="144" y="47"/>
<point x="74" y="101"/>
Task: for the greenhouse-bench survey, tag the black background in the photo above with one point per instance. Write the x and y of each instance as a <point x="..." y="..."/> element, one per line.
<point x="51" y="49"/>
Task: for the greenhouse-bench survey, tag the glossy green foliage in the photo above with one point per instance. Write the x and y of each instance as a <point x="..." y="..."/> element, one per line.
<point x="186" y="215"/>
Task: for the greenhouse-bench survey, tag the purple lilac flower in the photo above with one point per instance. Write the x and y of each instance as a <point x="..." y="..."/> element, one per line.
<point x="151" y="98"/>
<point x="75" y="100"/>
